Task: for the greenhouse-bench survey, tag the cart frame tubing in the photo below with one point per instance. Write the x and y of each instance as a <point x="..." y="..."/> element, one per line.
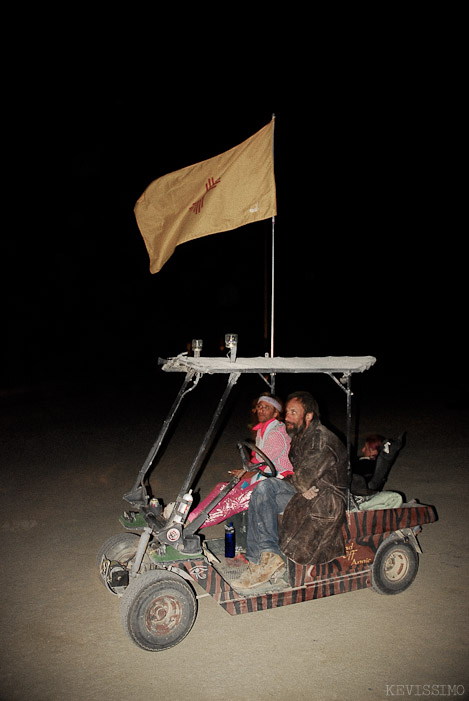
<point x="166" y="424"/>
<point x="345" y="384"/>
<point x="233" y="375"/>
<point x="205" y="445"/>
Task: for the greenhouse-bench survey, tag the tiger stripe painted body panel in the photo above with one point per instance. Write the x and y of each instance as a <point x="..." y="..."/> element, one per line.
<point x="364" y="532"/>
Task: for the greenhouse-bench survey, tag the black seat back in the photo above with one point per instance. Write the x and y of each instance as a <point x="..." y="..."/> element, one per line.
<point x="387" y="456"/>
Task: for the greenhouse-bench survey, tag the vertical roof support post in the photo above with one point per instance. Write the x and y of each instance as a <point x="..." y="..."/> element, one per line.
<point x="157" y="445"/>
<point x="232" y="379"/>
<point x="345" y="383"/>
<point x="348" y="379"/>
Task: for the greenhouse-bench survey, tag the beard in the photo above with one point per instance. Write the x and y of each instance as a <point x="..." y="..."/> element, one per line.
<point x="295" y="429"/>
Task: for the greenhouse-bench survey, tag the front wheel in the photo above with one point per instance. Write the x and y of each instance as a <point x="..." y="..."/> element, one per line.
<point x="394" y="568"/>
<point x="114" y="561"/>
<point x="158" y="610"/>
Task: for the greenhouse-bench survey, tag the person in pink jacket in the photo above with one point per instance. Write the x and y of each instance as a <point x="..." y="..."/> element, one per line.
<point x="273" y="439"/>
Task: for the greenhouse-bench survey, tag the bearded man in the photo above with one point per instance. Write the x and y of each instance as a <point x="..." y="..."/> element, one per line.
<point x="312" y="500"/>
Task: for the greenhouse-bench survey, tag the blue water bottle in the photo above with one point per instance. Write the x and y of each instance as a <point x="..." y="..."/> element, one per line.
<point x="230" y="540"/>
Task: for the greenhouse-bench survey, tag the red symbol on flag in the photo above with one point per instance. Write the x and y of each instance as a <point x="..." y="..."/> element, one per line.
<point x="196" y="207"/>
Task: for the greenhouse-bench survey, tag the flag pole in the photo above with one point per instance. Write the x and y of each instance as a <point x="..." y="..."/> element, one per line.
<point x="272" y="292"/>
<point x="272" y="277"/>
<point x="272" y="301"/>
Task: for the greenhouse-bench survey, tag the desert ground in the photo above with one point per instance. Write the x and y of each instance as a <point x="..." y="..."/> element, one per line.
<point x="69" y="453"/>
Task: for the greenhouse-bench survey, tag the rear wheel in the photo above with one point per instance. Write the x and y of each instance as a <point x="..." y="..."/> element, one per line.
<point x="158" y="610"/>
<point x="114" y="561"/>
<point x="394" y="568"/>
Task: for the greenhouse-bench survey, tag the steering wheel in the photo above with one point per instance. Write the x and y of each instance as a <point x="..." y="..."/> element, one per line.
<point x="255" y="467"/>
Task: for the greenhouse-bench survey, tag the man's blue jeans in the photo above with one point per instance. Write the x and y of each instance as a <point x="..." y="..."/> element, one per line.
<point x="268" y="499"/>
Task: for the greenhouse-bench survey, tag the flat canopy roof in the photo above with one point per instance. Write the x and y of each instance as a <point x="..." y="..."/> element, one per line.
<point x="328" y="364"/>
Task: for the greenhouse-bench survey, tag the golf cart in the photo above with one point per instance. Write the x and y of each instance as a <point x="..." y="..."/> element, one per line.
<point x="152" y="565"/>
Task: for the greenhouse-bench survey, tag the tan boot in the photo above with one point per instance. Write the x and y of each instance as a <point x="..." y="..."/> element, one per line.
<point x="261" y="573"/>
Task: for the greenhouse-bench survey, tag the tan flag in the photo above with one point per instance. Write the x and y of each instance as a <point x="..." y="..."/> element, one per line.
<point x="219" y="194"/>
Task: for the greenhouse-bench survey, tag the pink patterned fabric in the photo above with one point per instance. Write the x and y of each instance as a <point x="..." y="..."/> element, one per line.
<point x="274" y="441"/>
<point x="275" y="445"/>
<point x="234" y="502"/>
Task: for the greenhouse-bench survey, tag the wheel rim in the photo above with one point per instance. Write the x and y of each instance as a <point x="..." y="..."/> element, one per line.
<point x="396" y="566"/>
<point x="164" y="615"/>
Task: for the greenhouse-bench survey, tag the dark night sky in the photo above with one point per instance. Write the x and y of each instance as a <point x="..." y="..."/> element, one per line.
<point x="364" y="231"/>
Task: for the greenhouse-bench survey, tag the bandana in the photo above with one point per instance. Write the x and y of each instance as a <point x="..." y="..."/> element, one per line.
<point x="270" y="400"/>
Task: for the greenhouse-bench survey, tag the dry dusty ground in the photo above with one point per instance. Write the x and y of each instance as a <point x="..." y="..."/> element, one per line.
<point x="69" y="454"/>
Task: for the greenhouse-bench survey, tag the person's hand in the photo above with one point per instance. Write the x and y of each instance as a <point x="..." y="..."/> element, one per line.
<point x="311" y="493"/>
<point x="236" y="473"/>
<point x="241" y="473"/>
